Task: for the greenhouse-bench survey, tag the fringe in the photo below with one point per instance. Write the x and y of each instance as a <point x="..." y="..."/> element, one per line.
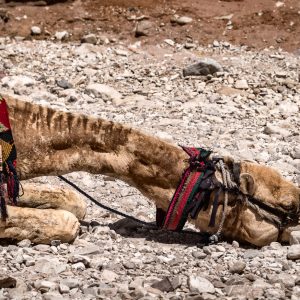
<point x="13" y="183"/>
<point x="3" y="208"/>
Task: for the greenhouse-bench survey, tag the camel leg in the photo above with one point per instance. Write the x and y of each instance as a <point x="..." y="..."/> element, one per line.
<point x="44" y="196"/>
<point x="39" y="225"/>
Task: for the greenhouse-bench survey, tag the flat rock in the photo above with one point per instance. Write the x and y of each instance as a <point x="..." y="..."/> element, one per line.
<point x="103" y="91"/>
<point x="184" y="20"/>
<point x="228" y="91"/>
<point x="294" y="252"/>
<point x="49" y="266"/>
<point x="167" y="284"/>
<point x="203" y="67"/>
<point x="90" y="39"/>
<point x="237" y="267"/>
<point x="144" y="28"/>
<point x="241" y="84"/>
<point x="272" y="129"/>
<point x="61" y="35"/>
<point x="52" y="296"/>
<point x="200" y="285"/>
<point x="7" y="282"/>
<point x="295" y="238"/>
<point x="108" y="276"/>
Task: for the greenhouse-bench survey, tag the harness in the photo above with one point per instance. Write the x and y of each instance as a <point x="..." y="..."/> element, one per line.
<point x="9" y="182"/>
<point x="193" y="194"/>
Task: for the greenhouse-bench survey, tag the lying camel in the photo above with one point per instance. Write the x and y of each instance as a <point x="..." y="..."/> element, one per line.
<point x="51" y="142"/>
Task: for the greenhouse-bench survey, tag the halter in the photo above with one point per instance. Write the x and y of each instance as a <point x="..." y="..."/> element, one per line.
<point x="193" y="195"/>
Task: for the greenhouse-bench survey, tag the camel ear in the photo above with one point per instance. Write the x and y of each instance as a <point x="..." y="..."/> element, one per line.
<point x="247" y="184"/>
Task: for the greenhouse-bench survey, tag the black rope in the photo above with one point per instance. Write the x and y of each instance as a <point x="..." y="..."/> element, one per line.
<point x="204" y="236"/>
<point x="104" y="206"/>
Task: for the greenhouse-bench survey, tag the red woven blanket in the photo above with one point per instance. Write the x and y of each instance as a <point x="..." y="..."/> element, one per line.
<point x="9" y="183"/>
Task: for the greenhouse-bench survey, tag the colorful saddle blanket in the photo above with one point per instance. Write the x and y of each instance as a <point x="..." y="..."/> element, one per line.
<point x="9" y="183"/>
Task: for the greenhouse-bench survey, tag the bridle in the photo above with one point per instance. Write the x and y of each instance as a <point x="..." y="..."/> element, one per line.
<point x="199" y="184"/>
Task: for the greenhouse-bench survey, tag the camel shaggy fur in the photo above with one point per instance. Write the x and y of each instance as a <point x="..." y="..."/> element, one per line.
<point x="51" y="142"/>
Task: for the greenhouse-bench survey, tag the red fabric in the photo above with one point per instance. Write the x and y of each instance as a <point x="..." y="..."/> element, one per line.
<point x="4" y="113"/>
<point x="184" y="200"/>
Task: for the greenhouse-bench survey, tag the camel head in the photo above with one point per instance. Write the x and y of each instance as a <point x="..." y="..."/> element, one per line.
<point x="265" y="184"/>
<point x="262" y="206"/>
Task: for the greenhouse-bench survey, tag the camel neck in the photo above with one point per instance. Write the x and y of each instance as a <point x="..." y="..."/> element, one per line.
<point x="51" y="142"/>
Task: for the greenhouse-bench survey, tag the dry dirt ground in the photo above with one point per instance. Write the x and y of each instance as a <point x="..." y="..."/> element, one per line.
<point x="256" y="23"/>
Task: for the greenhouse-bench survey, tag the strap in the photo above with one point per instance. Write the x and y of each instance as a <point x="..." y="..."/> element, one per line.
<point x="187" y="190"/>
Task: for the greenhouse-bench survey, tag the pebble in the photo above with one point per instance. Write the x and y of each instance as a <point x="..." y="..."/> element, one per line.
<point x="90" y="39"/>
<point x="144" y="28"/>
<point x="24" y="243"/>
<point x="103" y="91"/>
<point x="7" y="281"/>
<point x="200" y="285"/>
<point x="295" y="238"/>
<point x="294" y="252"/>
<point x="184" y="20"/>
<point x="108" y="276"/>
<point x="143" y="87"/>
<point x="237" y="267"/>
<point x="202" y="67"/>
<point x="63" y="83"/>
<point x="35" y="30"/>
<point x="167" y="284"/>
<point x="241" y="84"/>
<point x="61" y="35"/>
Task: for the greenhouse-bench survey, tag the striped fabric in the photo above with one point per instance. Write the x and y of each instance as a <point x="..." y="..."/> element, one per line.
<point x="187" y="190"/>
<point x="9" y="183"/>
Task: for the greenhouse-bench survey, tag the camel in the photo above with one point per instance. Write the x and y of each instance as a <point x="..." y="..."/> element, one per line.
<point x="51" y="142"/>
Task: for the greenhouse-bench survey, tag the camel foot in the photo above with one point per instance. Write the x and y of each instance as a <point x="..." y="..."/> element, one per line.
<point x="41" y="226"/>
<point x="44" y="196"/>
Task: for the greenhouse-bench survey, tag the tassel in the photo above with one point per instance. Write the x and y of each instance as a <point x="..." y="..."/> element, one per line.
<point x="13" y="184"/>
<point x="3" y="208"/>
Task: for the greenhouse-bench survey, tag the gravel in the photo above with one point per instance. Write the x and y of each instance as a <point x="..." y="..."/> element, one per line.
<point x="115" y="258"/>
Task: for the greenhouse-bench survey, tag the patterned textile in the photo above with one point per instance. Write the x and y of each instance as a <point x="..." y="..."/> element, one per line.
<point x="189" y="192"/>
<point x="9" y="183"/>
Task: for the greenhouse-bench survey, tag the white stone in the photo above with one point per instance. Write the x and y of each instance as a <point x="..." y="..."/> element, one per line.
<point x="288" y="107"/>
<point x="295" y="238"/>
<point x="170" y="42"/>
<point x="61" y="35"/>
<point x="184" y="20"/>
<point x="129" y="100"/>
<point x="241" y="84"/>
<point x="35" y="30"/>
<point x="294" y="252"/>
<point x="17" y="81"/>
<point x="121" y="52"/>
<point x="108" y="276"/>
<point x="296" y="152"/>
<point x="103" y="91"/>
<point x="200" y="285"/>
<point x="272" y="129"/>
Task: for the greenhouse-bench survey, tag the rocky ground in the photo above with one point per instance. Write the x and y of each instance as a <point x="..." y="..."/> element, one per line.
<point x="255" y="23"/>
<point x="249" y="108"/>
